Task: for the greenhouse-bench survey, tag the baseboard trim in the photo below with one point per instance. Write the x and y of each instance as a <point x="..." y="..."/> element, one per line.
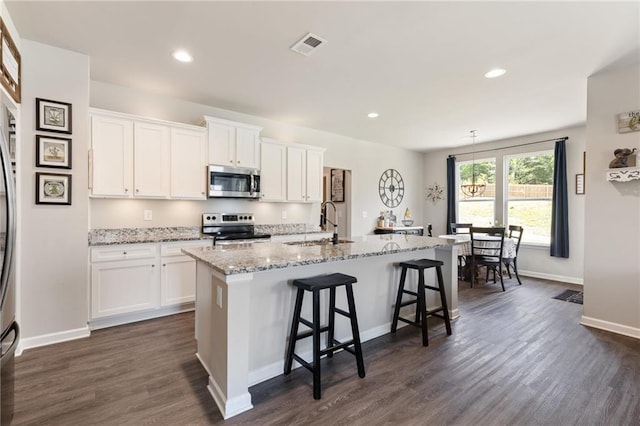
<point x="613" y="327"/>
<point x="552" y="277"/>
<point x="52" y="338"/>
<point x="98" y="323"/>
<point x="229" y="407"/>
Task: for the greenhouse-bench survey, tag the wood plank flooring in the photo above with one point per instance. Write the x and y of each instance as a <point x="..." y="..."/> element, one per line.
<point x="518" y="357"/>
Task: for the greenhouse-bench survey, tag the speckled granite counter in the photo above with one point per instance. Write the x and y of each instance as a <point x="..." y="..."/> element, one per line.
<point x="101" y="237"/>
<point x="254" y="257"/>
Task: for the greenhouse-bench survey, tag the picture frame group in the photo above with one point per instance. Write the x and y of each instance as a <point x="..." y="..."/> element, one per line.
<point x="53" y="151"/>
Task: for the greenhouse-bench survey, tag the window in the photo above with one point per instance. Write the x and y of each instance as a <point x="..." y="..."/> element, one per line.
<point x="529" y="192"/>
<point x="479" y="210"/>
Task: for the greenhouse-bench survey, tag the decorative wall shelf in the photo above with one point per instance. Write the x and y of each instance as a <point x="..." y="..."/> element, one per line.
<point x="624" y="174"/>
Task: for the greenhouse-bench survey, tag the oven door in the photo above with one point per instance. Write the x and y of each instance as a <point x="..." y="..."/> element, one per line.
<point x="227" y="182"/>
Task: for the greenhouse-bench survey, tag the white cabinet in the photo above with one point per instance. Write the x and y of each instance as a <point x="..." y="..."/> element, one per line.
<point x="233" y="144"/>
<point x="139" y="157"/>
<point x="151" y="162"/>
<point x="304" y="174"/>
<point x="123" y="285"/>
<point x="273" y="175"/>
<point x="188" y="164"/>
<point x="154" y="279"/>
<point x="112" y="156"/>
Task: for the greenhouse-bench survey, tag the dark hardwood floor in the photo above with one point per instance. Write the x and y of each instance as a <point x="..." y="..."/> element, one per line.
<point x="518" y="357"/>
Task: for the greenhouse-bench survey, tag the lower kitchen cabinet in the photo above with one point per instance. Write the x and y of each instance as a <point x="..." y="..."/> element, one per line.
<point x="140" y="281"/>
<point x="123" y="287"/>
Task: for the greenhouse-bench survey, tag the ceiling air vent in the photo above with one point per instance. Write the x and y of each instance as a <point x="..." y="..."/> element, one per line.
<point x="308" y="44"/>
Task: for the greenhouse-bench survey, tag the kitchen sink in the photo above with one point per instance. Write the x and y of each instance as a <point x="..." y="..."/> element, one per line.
<point x="323" y="242"/>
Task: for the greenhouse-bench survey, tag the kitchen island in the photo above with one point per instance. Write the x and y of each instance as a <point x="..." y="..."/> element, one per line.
<point x="244" y="301"/>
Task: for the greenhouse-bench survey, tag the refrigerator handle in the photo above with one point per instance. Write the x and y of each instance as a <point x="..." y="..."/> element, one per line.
<point x="7" y="355"/>
<point x="10" y="236"/>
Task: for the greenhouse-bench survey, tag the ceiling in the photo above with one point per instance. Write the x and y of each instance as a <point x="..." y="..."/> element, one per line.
<point x="420" y="65"/>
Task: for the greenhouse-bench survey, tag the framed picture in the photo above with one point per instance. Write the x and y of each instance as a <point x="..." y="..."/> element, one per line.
<point x="53" y="116"/>
<point x="53" y="152"/>
<point x="337" y="185"/>
<point x="580" y="184"/>
<point x="53" y="188"/>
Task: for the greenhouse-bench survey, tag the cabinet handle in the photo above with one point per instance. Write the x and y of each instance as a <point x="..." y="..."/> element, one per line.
<point x="124" y="252"/>
<point x="202" y="193"/>
<point x="137" y="190"/>
<point x="164" y="264"/>
<point x="126" y="190"/>
<point x="153" y="266"/>
<point x="238" y="161"/>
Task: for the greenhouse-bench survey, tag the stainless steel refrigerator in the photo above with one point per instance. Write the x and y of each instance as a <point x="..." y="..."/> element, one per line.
<point x="10" y="332"/>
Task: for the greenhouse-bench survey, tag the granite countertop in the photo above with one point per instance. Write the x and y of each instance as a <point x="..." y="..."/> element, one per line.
<point x="102" y="237"/>
<point x="256" y="257"/>
<point x="399" y="228"/>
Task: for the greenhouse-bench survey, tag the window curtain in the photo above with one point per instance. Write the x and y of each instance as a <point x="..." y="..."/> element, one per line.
<point x="559" y="204"/>
<point x="451" y="192"/>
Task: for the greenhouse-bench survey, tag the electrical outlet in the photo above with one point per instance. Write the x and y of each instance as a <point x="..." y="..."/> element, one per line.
<point x="219" y="296"/>
<point x="148" y="215"/>
<point x="284" y="214"/>
<point x="364" y="214"/>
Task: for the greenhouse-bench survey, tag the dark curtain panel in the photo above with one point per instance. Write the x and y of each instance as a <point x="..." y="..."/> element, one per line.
<point x="451" y="193"/>
<point x="560" y="204"/>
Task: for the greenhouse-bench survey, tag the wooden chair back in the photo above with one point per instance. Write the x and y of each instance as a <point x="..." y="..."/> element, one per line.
<point x="515" y="231"/>
<point x="487" y="244"/>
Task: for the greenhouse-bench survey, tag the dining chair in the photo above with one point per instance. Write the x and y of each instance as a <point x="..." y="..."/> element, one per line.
<point x="486" y="250"/>
<point x="461" y="228"/>
<point x="515" y="232"/>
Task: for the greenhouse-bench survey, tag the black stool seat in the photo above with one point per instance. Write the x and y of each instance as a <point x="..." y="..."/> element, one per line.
<point x="420" y="298"/>
<point x="324" y="281"/>
<point x="353" y="346"/>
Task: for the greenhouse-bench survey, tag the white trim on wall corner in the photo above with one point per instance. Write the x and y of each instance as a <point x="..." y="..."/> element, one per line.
<point x="50" y="339"/>
<point x="552" y="277"/>
<point x="613" y="327"/>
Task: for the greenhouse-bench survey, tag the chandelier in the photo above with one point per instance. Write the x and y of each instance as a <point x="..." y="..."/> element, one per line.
<point x="475" y="188"/>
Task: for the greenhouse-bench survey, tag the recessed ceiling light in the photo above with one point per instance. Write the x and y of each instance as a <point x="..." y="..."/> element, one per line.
<point x="496" y="72"/>
<point x="373" y="115"/>
<point x="182" y="56"/>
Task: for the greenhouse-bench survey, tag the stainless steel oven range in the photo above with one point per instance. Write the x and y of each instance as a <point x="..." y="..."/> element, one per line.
<point x="231" y="228"/>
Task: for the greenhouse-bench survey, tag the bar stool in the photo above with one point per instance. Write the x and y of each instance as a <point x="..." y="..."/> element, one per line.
<point x="420" y="298"/>
<point x="314" y="285"/>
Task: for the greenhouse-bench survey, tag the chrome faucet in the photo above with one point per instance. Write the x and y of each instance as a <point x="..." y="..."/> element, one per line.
<point x="324" y="219"/>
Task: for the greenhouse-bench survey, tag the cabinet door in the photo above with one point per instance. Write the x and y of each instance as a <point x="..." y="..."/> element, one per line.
<point x="177" y="280"/>
<point x="112" y="156"/>
<point x="314" y="175"/>
<point x="221" y="144"/>
<point x="247" y="148"/>
<point x="273" y="174"/>
<point x="188" y="164"/>
<point x="151" y="160"/>
<point x="123" y="287"/>
<point x="296" y="174"/>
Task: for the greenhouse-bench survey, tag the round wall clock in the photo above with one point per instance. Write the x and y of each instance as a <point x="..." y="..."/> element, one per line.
<point x="391" y="188"/>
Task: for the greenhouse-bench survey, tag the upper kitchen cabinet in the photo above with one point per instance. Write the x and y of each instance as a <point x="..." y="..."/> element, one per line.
<point x="304" y="173"/>
<point x="273" y="176"/>
<point x="112" y="156"/>
<point x="188" y="163"/>
<point x="233" y="144"/>
<point x="145" y="158"/>
<point x="151" y="162"/>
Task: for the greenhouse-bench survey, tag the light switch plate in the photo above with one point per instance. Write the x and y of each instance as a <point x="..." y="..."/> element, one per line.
<point x="364" y="214"/>
<point x="284" y="214"/>
<point x="148" y="215"/>
<point x="219" y="296"/>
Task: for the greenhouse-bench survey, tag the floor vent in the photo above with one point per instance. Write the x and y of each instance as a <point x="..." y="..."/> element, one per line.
<point x="308" y="44"/>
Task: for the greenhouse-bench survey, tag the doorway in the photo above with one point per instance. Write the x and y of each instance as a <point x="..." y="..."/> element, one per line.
<point x="337" y="188"/>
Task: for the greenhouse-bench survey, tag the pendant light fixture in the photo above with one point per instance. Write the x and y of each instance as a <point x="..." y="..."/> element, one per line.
<point x="475" y="188"/>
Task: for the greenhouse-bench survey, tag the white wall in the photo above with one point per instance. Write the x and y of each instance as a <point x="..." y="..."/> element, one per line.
<point x="366" y="161"/>
<point x="532" y="260"/>
<point x="612" y="254"/>
<point x="54" y="277"/>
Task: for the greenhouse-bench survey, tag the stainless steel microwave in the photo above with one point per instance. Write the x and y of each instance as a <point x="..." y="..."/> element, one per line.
<point x="233" y="182"/>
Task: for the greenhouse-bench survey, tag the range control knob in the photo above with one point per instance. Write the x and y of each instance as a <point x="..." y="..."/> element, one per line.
<point x="208" y="217"/>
